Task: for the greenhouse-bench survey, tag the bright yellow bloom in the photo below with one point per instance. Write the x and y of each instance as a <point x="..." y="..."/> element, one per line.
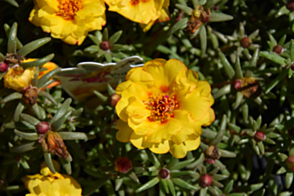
<point x="145" y="12"/>
<point x="162" y="107"/>
<point x="19" y="79"/>
<point x="69" y="20"/>
<point x="49" y="184"/>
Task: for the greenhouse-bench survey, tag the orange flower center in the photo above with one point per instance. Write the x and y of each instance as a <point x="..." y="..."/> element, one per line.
<point x="68" y="8"/>
<point x="161" y="107"/>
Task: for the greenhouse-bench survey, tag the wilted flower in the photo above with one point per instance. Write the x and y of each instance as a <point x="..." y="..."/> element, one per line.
<point x="49" y="184"/>
<point x="162" y="107"/>
<point x="19" y="79"/>
<point x="69" y="20"/>
<point x="144" y="12"/>
<point x="53" y="143"/>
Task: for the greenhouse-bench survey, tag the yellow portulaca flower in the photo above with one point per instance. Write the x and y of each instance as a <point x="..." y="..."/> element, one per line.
<point x="69" y="20"/>
<point x="19" y="79"/>
<point x="162" y="107"/>
<point x="49" y="184"/>
<point x="145" y="12"/>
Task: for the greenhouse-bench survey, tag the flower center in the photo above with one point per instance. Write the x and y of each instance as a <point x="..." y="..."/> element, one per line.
<point x="68" y="8"/>
<point x="161" y="107"/>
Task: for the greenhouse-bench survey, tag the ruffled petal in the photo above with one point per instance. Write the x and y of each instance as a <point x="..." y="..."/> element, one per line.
<point x="160" y="148"/>
<point x="124" y="131"/>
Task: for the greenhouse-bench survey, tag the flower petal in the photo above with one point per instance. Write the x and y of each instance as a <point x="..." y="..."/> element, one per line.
<point x="180" y="150"/>
<point x="160" y="148"/>
<point x="124" y="131"/>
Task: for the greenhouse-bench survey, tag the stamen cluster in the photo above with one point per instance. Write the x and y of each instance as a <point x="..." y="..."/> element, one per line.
<point x="68" y="8"/>
<point x="161" y="107"/>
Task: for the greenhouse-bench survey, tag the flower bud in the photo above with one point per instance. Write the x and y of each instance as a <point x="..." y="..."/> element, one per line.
<point x="122" y="164"/>
<point x="278" y="49"/>
<point x="163" y="173"/>
<point x="246" y="42"/>
<point x="238" y="84"/>
<point x="205" y="180"/>
<point x="290" y="163"/>
<point x="259" y="136"/>
<point x="105" y="45"/>
<point x="292" y="66"/>
<point x="114" y="98"/>
<point x="209" y="161"/>
<point x="3" y="66"/>
<point x="43" y="127"/>
<point x="290" y="6"/>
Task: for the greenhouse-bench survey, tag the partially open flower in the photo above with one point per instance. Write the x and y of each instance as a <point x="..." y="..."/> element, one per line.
<point x="162" y="107"/>
<point x="53" y="143"/>
<point x="49" y="184"/>
<point x="19" y="79"/>
<point x="123" y="164"/>
<point x="114" y="99"/>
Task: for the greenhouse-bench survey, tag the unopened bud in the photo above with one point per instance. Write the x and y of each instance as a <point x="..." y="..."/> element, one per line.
<point x="105" y="45"/>
<point x="292" y="66"/>
<point x="122" y="164"/>
<point x="259" y="136"/>
<point x="163" y="173"/>
<point x="114" y="99"/>
<point x="42" y="127"/>
<point x="290" y="163"/>
<point x="205" y="180"/>
<point x="238" y="84"/>
<point x="278" y="49"/>
<point x="209" y="161"/>
<point x="245" y="42"/>
<point x="290" y="6"/>
<point x="3" y="66"/>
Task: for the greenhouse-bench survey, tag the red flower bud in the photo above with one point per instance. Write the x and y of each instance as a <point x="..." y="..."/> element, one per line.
<point x="122" y="164"/>
<point x="43" y="127"/>
<point x="205" y="180"/>
<point x="290" y="6"/>
<point x="259" y="136"/>
<point x="209" y="161"/>
<point x="105" y="45"/>
<point x="163" y="173"/>
<point x="290" y="163"/>
<point x="238" y="84"/>
<point x="114" y="99"/>
<point x="278" y="49"/>
<point x="3" y="66"/>
<point x="246" y="42"/>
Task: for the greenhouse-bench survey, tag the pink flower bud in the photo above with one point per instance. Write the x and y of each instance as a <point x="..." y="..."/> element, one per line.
<point x="114" y="98"/>
<point x="259" y="136"/>
<point x="3" y="66"/>
<point x="278" y="49"/>
<point x="122" y="164"/>
<point x="209" y="161"/>
<point x="238" y="84"/>
<point x="163" y="173"/>
<point x="205" y="180"/>
<point x="43" y="127"/>
<point x="246" y="42"/>
<point x="105" y="45"/>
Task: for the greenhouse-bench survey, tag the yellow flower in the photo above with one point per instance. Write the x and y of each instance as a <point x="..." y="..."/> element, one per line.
<point x="69" y="20"/>
<point x="145" y="12"/>
<point x="162" y="107"/>
<point x="49" y="184"/>
<point x="19" y="79"/>
<point x="49" y="66"/>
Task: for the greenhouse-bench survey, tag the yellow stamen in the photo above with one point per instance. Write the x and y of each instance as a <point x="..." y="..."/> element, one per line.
<point x="68" y="8"/>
